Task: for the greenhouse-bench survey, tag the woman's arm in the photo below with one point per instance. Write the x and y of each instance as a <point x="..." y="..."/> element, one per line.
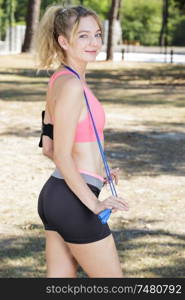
<point x="47" y="149"/>
<point x="68" y="105"/>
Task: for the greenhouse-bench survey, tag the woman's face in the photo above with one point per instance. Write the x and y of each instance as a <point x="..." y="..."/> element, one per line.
<point x="87" y="41"/>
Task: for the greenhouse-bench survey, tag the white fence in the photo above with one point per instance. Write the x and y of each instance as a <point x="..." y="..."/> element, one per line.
<point x="13" y="41"/>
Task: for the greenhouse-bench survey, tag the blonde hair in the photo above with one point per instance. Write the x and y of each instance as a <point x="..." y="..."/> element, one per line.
<point x="57" y="21"/>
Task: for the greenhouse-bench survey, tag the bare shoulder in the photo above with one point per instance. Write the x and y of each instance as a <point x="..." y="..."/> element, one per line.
<point x="68" y="94"/>
<point x="67" y="83"/>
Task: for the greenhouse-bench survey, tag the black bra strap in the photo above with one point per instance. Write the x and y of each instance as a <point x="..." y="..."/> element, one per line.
<point x="47" y="129"/>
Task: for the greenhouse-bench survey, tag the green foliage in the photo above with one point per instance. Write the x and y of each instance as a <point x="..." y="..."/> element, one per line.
<point x="141" y="21"/>
<point x="180" y="4"/>
<point x="101" y="7"/>
<point x="7" y="18"/>
<point x="178" y="37"/>
<point x="21" y="10"/>
<point x="176" y="24"/>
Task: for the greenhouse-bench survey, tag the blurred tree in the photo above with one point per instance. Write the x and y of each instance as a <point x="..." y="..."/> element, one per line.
<point x="180" y="4"/>
<point x="67" y="2"/>
<point x="119" y="9"/>
<point x="141" y="21"/>
<point x="178" y="38"/>
<point x="20" y="12"/>
<point x="11" y="11"/>
<point x="7" y="11"/>
<point x="100" y="7"/>
<point x="177" y="23"/>
<point x="113" y="14"/>
<point x="32" y="19"/>
<point x="163" y="37"/>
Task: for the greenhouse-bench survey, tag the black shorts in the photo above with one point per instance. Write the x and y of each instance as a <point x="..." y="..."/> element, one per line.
<point x="62" y="211"/>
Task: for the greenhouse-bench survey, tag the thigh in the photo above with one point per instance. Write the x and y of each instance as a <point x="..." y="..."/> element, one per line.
<point x="98" y="259"/>
<point x="60" y="261"/>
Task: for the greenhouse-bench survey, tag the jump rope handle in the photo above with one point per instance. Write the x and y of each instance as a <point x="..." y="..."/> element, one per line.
<point x="105" y="214"/>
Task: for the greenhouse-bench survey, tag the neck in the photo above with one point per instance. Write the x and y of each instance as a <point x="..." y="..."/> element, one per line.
<point x="80" y="68"/>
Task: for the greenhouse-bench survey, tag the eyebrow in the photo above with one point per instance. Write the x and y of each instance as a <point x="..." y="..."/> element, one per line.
<point x="87" y="31"/>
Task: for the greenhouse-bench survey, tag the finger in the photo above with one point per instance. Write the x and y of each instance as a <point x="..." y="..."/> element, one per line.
<point x="114" y="176"/>
<point x="115" y="171"/>
<point x="118" y="205"/>
<point x="125" y="205"/>
<point x="120" y="201"/>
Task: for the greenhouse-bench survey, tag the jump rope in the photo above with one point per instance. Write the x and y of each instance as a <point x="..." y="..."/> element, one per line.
<point x="105" y="214"/>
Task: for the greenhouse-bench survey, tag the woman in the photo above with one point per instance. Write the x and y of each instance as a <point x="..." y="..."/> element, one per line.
<point x="68" y="202"/>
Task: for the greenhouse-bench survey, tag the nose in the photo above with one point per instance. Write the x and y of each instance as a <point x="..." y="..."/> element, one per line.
<point x="94" y="41"/>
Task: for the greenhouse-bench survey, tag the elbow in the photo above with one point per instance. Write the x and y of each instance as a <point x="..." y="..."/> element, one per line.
<point x="57" y="159"/>
<point x="61" y="159"/>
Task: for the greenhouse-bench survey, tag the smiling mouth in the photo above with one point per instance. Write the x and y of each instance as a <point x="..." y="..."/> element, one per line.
<point x="94" y="51"/>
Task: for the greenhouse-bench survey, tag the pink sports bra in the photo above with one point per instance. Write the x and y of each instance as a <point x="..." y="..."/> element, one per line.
<point x="84" y="130"/>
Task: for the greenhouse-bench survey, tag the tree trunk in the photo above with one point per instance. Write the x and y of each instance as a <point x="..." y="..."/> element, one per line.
<point x="112" y="17"/>
<point x="32" y="19"/>
<point x="163" y="39"/>
<point x="118" y="17"/>
<point x="119" y="9"/>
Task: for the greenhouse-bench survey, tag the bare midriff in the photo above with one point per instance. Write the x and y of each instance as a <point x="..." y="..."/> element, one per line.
<point x="87" y="157"/>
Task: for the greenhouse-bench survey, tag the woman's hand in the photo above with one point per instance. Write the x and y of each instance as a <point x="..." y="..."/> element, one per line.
<point x="112" y="202"/>
<point x="114" y="174"/>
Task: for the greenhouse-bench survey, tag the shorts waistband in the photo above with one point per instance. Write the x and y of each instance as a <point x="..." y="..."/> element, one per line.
<point x="88" y="178"/>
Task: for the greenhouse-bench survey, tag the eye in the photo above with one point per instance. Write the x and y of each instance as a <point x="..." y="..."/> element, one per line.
<point x="99" y="35"/>
<point x="83" y="36"/>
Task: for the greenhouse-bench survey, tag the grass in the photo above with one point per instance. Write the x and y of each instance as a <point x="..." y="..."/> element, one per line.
<point x="144" y="137"/>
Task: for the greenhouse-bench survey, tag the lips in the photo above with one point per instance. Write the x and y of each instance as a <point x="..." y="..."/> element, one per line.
<point x="93" y="51"/>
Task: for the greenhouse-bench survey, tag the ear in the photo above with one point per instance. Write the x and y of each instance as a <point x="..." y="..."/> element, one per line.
<point x="63" y="42"/>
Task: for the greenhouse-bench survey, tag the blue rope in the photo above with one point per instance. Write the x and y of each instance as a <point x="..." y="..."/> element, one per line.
<point x="105" y="214"/>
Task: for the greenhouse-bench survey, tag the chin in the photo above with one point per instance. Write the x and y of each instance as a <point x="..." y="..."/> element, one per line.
<point x="90" y="59"/>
